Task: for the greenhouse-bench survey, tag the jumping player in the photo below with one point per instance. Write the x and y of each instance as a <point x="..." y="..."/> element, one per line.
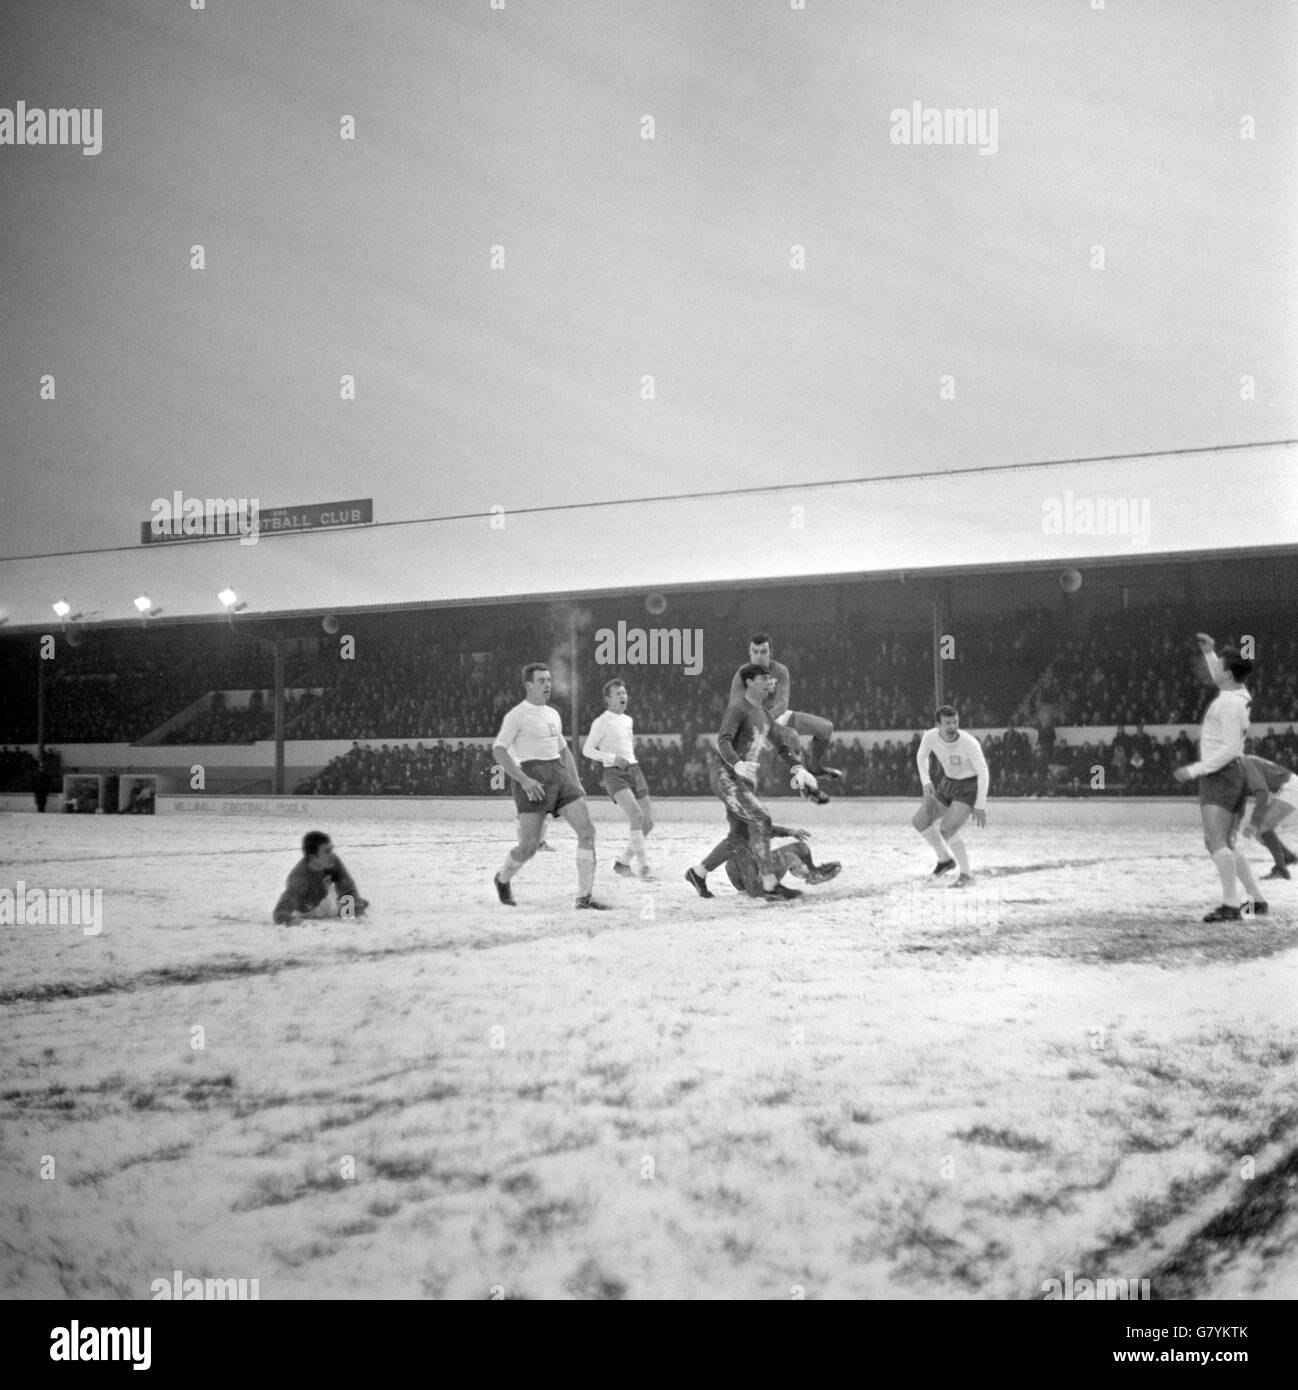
<point x="1223" y="787"/>
<point x="777" y="706"/>
<point x="955" y="778"/>
<point x="611" y="743"/>
<point x="1275" y="797"/>
<point x="545" y="782"/>
<point x="745" y="731"/>
<point x="318" y="885"/>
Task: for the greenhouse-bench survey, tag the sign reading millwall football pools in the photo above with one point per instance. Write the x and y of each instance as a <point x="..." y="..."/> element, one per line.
<point x="181" y="518"/>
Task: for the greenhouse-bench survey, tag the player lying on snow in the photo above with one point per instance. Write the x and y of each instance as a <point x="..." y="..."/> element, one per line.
<point x="795" y="858"/>
<point x="318" y="886"/>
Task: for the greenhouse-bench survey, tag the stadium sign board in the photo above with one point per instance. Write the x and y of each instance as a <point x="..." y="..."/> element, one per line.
<point x="196" y="519"/>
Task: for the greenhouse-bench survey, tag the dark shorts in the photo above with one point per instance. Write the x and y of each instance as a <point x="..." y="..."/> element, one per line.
<point x="951" y="789"/>
<point x="626" y="779"/>
<point x="1227" y="788"/>
<point x="560" y="787"/>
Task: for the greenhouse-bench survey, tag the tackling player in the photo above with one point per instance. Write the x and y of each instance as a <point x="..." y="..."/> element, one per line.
<point x="1223" y="788"/>
<point x="545" y="782"/>
<point x="777" y="706"/>
<point x="1275" y="797"/>
<point x="611" y="743"/>
<point x="745" y="731"/>
<point x="955" y="778"/>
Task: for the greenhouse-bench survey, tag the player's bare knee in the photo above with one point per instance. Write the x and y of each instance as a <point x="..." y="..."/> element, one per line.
<point x="635" y="818"/>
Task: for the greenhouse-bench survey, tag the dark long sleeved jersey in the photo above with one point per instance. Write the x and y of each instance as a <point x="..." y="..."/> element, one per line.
<point x="307" y="888"/>
<point x="747" y="729"/>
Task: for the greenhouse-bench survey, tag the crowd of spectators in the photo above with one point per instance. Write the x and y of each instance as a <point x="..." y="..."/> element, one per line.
<point x="1141" y="668"/>
<point x="225" y="723"/>
<point x="436" y="676"/>
<point x="1131" y="763"/>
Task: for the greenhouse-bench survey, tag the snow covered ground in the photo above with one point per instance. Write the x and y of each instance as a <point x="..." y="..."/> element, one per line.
<point x="885" y="1089"/>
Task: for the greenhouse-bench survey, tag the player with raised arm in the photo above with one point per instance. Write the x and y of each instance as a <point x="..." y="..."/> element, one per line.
<point x="1275" y="798"/>
<point x="954" y="775"/>
<point x="777" y="706"/>
<point x="1223" y="787"/>
<point x="611" y="743"/>
<point x="531" y="749"/>
<point x="746" y="730"/>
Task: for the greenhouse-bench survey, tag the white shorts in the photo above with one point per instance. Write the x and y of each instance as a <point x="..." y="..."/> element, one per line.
<point x="785" y="717"/>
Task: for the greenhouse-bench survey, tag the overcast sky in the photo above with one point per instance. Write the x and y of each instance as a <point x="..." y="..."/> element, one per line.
<point x="628" y="257"/>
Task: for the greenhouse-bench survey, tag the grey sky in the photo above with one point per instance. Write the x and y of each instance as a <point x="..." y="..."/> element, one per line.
<point x="628" y="257"/>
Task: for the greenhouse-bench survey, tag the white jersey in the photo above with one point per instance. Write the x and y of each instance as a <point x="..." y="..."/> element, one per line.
<point x="610" y="738"/>
<point x="1225" y="726"/>
<point x="531" y="732"/>
<point x="960" y="759"/>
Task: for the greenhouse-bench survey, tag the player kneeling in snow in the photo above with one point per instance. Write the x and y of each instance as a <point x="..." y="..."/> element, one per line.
<point x="319" y="885"/>
<point x="795" y="858"/>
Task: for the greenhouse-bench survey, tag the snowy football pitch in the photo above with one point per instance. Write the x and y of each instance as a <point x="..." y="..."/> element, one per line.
<point x="879" y="1091"/>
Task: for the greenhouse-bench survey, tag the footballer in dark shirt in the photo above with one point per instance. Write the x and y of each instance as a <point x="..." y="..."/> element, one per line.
<point x="318" y="885"/>
<point x="777" y="705"/>
<point x="746" y="731"/>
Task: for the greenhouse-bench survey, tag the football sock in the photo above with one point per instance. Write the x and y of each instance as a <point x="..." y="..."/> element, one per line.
<point x="1224" y="859"/>
<point x="585" y="871"/>
<point x="959" y="852"/>
<point x="1245" y="872"/>
<point x="1276" y="845"/>
<point x="635" y="846"/>
<point x="510" y="867"/>
<point x="934" y="836"/>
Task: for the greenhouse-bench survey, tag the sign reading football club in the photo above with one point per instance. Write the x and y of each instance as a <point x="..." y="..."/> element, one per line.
<point x="181" y="518"/>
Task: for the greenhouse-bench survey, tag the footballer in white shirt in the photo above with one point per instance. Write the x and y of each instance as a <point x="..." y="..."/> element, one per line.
<point x="954" y="789"/>
<point x="611" y="743"/>
<point x="1223" y="785"/>
<point x="531" y="749"/>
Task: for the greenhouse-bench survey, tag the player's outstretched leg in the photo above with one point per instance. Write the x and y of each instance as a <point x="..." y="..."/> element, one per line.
<point x="1218" y="822"/>
<point x="577" y="814"/>
<point x="950" y="826"/>
<point x="929" y="812"/>
<point x="821" y="731"/>
<point x="639" y="824"/>
<point x="530" y="826"/>
<point x="1282" y="856"/>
